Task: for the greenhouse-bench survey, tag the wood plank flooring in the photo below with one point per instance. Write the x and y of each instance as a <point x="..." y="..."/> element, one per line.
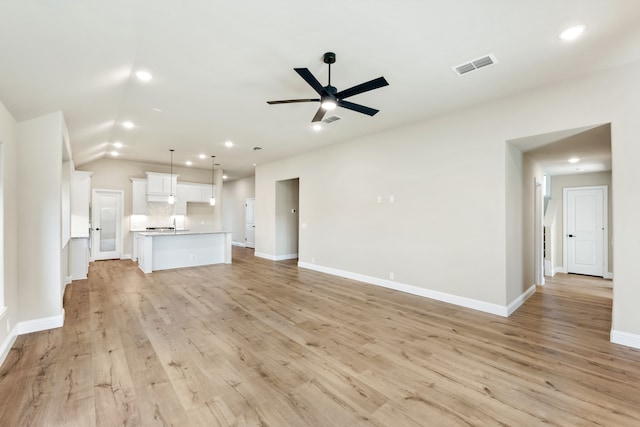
<point x="259" y="343"/>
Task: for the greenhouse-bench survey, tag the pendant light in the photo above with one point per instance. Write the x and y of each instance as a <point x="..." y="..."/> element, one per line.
<point x="212" y="200"/>
<point x="171" y="199"/>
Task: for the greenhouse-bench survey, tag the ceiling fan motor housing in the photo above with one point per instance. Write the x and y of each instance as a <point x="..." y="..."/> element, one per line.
<point x="329" y="58"/>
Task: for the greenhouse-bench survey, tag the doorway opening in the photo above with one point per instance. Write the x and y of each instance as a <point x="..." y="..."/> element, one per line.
<point x="287" y="207"/>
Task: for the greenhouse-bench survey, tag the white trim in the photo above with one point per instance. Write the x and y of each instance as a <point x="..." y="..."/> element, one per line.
<point x="625" y="338"/>
<point x="605" y="223"/>
<point x="275" y="257"/>
<point x="242" y="245"/>
<point x="126" y="256"/>
<point x="414" y="290"/>
<point x="608" y="275"/>
<point x="559" y="269"/>
<point x="38" y="325"/>
<point x="516" y="303"/>
<point x="287" y="256"/>
<point x="264" y="255"/>
<point x="6" y="345"/>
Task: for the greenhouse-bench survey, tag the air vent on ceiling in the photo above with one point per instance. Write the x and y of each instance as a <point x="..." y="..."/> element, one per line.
<point x="475" y="64"/>
<point x="331" y="119"/>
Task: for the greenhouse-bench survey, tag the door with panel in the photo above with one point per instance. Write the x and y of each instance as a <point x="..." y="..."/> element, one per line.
<point x="250" y="226"/>
<point x="585" y="230"/>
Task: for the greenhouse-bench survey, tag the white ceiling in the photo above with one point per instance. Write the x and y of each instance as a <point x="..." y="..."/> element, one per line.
<point x="215" y="64"/>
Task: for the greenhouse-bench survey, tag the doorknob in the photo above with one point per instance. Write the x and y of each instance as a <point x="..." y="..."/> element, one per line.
<point x="97" y="229"/>
<point x="572" y="235"/>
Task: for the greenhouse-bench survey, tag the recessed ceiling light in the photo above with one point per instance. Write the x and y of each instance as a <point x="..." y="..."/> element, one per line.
<point x="188" y="163"/>
<point x="128" y="125"/>
<point x="228" y="144"/>
<point x="255" y="164"/>
<point x="117" y="144"/>
<point x="574" y="160"/>
<point x="144" y="76"/>
<point x="572" y="33"/>
<point x="224" y="176"/>
<point x="114" y="153"/>
<point x="202" y="156"/>
<point x="317" y="127"/>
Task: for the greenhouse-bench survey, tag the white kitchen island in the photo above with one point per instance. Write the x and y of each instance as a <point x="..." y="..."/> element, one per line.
<point x="165" y="250"/>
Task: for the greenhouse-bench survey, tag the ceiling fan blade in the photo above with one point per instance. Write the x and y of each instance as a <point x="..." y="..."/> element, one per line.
<point x="309" y="78"/>
<point x="289" y="101"/>
<point x="319" y="115"/>
<point x="363" y="87"/>
<point x="357" y="107"/>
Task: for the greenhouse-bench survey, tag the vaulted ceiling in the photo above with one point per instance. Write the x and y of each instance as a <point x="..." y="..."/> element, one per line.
<point x="215" y="64"/>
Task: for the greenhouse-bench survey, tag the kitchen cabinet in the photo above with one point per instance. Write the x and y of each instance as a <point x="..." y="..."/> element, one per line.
<point x="80" y="200"/>
<point x="79" y="257"/>
<point x="160" y="186"/>
<point x="139" y="196"/>
<point x="190" y="192"/>
<point x="198" y="193"/>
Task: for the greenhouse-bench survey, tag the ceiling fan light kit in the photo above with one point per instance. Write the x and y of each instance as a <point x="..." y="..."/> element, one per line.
<point x="330" y="97"/>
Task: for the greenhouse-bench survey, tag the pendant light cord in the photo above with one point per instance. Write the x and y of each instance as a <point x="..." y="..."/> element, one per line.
<point x="172" y="150"/>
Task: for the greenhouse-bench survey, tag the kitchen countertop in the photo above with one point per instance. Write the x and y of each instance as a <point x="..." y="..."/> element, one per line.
<point x="179" y="233"/>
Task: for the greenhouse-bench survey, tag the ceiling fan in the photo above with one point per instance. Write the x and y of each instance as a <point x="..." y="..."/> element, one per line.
<point x="330" y="98"/>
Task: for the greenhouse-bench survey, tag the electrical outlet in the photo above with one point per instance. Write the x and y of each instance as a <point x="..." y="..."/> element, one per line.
<point x="392" y="276"/>
<point x="193" y="257"/>
<point x="313" y="260"/>
<point x="379" y="199"/>
<point x="8" y="325"/>
<point x="391" y="199"/>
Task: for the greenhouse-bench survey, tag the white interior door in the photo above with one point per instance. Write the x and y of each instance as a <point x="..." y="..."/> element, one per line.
<point x="585" y="230"/>
<point x="250" y="226"/>
<point x="106" y="224"/>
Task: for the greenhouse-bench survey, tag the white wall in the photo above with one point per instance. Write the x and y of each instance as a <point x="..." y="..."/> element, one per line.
<point x="8" y="229"/>
<point x="235" y="194"/>
<point x="559" y="182"/>
<point x="39" y="219"/>
<point x="446" y="230"/>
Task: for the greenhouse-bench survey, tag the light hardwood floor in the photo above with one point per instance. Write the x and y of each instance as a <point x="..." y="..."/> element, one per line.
<point x="259" y="343"/>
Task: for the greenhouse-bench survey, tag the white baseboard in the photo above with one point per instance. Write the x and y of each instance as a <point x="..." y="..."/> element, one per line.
<point x="38" y="325"/>
<point x="516" y="303"/>
<point x="625" y="338"/>
<point x="560" y="269"/>
<point x="608" y="275"/>
<point x="68" y="280"/>
<point x="275" y="257"/>
<point x="265" y="256"/>
<point x="414" y="290"/>
<point x="242" y="245"/>
<point x="125" y="256"/>
<point x="6" y="345"/>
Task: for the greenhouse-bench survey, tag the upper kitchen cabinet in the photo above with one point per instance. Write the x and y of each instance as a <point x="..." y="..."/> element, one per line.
<point x="160" y="186"/>
<point x="80" y="199"/>
<point x="199" y="193"/>
<point x="139" y="196"/>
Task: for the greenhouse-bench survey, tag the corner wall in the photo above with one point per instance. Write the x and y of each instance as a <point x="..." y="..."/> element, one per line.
<point x="39" y="222"/>
<point x="8" y="230"/>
